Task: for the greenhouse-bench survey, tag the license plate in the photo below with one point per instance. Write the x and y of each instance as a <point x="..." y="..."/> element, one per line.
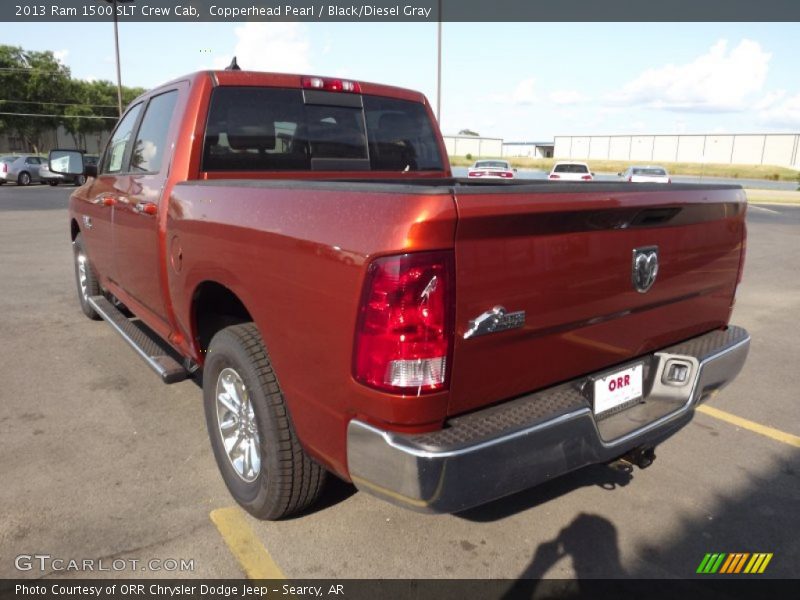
<point x="617" y="388"/>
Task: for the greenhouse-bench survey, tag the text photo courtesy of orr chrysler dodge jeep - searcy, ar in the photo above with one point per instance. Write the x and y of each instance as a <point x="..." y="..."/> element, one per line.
<point x="300" y="244"/>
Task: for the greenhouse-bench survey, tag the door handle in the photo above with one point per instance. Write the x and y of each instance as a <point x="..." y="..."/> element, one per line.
<point x="146" y="208"/>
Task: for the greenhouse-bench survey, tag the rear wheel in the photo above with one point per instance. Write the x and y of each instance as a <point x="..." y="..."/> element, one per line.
<point x="252" y="435"/>
<point x="24" y="178"/>
<point x="85" y="278"/>
<point x="80" y="180"/>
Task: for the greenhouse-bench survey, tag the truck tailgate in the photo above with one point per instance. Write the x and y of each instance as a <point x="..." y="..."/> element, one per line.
<point x="563" y="254"/>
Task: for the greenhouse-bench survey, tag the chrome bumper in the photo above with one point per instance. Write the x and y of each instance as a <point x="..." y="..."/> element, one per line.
<point x="507" y="448"/>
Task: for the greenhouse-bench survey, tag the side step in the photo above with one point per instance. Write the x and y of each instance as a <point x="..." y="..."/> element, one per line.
<point x="147" y="345"/>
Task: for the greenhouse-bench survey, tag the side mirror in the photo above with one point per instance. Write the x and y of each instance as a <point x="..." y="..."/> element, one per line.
<point x="592" y="174"/>
<point x="66" y="162"/>
<point x="90" y="170"/>
<point x="514" y="169"/>
<point x="619" y="174"/>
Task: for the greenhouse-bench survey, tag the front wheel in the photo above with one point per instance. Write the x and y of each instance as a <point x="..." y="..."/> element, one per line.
<point x="52" y="182"/>
<point x="80" y="180"/>
<point x="24" y="178"/>
<point x="252" y="435"/>
<point x="85" y="278"/>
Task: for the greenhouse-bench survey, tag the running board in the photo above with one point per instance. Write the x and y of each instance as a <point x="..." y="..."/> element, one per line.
<point x="146" y="343"/>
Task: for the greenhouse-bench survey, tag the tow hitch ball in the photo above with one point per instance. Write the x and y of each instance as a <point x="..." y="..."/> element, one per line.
<point x="641" y="457"/>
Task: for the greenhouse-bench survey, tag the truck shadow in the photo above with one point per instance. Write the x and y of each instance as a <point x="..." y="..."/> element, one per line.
<point x="761" y="517"/>
<point x="608" y="476"/>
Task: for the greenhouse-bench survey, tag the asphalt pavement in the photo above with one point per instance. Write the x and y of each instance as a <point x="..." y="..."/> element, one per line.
<point x="100" y="460"/>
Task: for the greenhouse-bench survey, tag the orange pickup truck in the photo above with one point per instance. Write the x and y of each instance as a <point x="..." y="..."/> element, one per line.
<point x="301" y="244"/>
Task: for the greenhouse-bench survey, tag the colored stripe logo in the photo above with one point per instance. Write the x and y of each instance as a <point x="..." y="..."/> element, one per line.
<point x="734" y="563"/>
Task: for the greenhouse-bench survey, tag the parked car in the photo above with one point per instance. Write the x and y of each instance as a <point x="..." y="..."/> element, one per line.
<point x="354" y="309"/>
<point x="648" y="174"/>
<point x="491" y="169"/>
<point x="23" y="169"/>
<point x="49" y="177"/>
<point x="571" y="171"/>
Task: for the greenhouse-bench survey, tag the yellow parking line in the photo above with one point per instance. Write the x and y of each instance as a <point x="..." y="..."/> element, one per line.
<point x="775" y="434"/>
<point x="245" y="546"/>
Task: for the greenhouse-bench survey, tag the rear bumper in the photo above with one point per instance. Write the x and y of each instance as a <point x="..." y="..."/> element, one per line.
<point x="504" y="449"/>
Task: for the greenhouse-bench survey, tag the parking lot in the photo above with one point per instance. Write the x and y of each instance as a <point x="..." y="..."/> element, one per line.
<point x="100" y="460"/>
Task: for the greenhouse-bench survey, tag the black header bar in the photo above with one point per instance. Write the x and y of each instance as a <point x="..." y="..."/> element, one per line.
<point x="32" y="11"/>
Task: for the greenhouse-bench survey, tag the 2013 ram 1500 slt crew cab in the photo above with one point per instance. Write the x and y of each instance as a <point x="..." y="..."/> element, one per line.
<point x="354" y="309"/>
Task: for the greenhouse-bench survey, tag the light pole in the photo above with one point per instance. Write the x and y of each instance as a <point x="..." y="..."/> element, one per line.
<point x="116" y="52"/>
<point x="439" y="68"/>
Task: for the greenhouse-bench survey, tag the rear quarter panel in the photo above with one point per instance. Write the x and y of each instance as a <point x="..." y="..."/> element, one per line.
<point x="296" y="255"/>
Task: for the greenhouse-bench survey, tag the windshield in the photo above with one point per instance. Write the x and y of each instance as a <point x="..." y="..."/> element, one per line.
<point x="7" y="159"/>
<point x="273" y="129"/>
<point x="571" y="168"/>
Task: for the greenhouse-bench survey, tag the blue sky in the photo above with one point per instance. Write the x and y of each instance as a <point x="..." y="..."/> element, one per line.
<point x="518" y="81"/>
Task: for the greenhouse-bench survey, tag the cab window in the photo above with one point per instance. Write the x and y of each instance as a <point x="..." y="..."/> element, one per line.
<point x="148" y="151"/>
<point x="115" y="153"/>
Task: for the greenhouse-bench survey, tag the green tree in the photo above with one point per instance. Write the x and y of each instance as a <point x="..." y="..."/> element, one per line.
<point x="34" y="83"/>
<point x="38" y="94"/>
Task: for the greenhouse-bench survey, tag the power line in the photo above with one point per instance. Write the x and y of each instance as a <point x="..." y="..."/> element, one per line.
<point x="58" y="116"/>
<point x="30" y="70"/>
<point x="59" y="103"/>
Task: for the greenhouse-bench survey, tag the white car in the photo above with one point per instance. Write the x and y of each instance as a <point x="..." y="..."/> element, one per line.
<point x="570" y="171"/>
<point x="646" y="175"/>
<point x="487" y="169"/>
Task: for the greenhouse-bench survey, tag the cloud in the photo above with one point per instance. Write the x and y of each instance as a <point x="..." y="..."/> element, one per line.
<point x="781" y="111"/>
<point x="280" y="47"/>
<point x="567" y="97"/>
<point x="61" y="55"/>
<point x="523" y="94"/>
<point x="717" y="81"/>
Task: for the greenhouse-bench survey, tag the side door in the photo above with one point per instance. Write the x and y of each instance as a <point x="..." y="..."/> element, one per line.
<point x="32" y="166"/>
<point x="97" y="203"/>
<point x="138" y="258"/>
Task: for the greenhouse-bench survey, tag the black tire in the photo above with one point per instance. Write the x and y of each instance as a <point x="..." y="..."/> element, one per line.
<point x="92" y="287"/>
<point x="80" y="180"/>
<point x="288" y="480"/>
<point x="52" y="182"/>
<point x="24" y="178"/>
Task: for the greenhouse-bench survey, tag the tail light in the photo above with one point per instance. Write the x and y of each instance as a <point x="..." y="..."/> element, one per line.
<point x="630" y="178"/>
<point x="586" y="177"/>
<point x="5" y="168"/>
<point x="669" y="179"/>
<point x="554" y="176"/>
<point x="403" y="339"/>
<point x="506" y="174"/>
<point x="331" y="85"/>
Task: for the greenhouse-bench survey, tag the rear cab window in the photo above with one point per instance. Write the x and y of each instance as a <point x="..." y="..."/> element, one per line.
<point x="571" y="168"/>
<point x="275" y="129"/>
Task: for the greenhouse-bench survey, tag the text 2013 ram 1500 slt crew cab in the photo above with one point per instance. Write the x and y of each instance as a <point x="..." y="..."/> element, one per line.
<point x="354" y="309"/>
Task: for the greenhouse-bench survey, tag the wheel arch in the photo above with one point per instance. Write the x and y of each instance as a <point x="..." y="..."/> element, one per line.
<point x="214" y="307"/>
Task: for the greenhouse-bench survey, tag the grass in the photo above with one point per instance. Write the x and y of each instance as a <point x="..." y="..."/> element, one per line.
<point x="768" y="172"/>
<point x="773" y="197"/>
